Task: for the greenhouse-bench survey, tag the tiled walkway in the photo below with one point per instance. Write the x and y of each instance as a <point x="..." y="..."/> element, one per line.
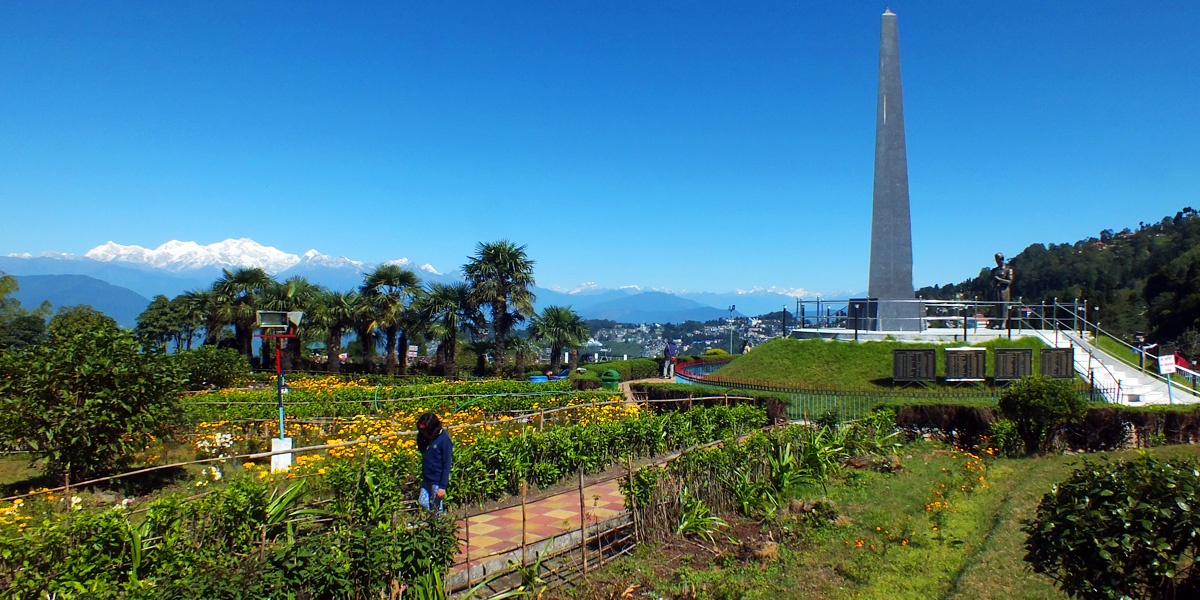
<point x="500" y="530"/>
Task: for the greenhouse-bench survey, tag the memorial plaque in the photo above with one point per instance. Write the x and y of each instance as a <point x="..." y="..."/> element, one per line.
<point x="966" y="364"/>
<point x="911" y="365"/>
<point x="1013" y="363"/>
<point x="1058" y="363"/>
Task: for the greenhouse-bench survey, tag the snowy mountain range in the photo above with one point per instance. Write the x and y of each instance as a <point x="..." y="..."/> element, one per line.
<point x="178" y="266"/>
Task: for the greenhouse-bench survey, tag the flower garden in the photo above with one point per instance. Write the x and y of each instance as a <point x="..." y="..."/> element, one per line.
<point x="205" y="517"/>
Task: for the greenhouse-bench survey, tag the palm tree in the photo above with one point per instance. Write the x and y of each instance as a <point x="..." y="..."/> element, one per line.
<point x="334" y="312"/>
<point x="297" y="293"/>
<point x="558" y="326"/>
<point x="450" y="309"/>
<point x="238" y="291"/>
<point x="522" y="349"/>
<point x="500" y="275"/>
<point x="392" y="289"/>
<point x="366" y="330"/>
<point x="412" y="325"/>
<point x="204" y="308"/>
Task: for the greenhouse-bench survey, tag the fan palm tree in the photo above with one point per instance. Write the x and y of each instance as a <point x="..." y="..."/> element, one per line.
<point x="334" y="312"/>
<point x="297" y="293"/>
<point x="450" y="309"/>
<point x="558" y="326"/>
<point x="522" y="349"/>
<point x="391" y="289"/>
<point x="412" y="325"/>
<point x="501" y="274"/>
<point x="204" y="308"/>
<point x="366" y="330"/>
<point x="238" y="292"/>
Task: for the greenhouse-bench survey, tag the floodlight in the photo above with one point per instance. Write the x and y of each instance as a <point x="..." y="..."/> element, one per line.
<point x="271" y="320"/>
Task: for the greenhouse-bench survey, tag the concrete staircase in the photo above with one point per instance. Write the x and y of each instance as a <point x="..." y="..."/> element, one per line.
<point x="1123" y="383"/>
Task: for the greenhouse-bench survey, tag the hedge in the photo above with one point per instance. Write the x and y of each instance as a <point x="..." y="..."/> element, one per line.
<point x="1106" y="427"/>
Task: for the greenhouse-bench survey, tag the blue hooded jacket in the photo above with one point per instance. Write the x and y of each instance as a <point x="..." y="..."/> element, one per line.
<point x="435" y="461"/>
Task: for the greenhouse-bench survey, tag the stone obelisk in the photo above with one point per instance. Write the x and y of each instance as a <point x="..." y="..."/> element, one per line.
<point x="891" y="232"/>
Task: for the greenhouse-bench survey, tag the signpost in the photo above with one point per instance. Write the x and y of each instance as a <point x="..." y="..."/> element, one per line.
<point x="1166" y="366"/>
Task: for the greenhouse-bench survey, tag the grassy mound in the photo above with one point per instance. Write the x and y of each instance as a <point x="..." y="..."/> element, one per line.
<point x="828" y="364"/>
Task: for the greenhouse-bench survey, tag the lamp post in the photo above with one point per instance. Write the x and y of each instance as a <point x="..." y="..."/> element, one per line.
<point x="784" y="320"/>
<point x="731" y="307"/>
<point x="279" y="325"/>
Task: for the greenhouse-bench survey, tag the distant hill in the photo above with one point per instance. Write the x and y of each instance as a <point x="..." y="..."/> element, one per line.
<point x="1146" y="279"/>
<point x="651" y="307"/>
<point x="120" y="303"/>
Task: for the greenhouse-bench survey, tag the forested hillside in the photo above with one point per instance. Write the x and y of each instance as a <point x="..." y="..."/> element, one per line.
<point x="1145" y="279"/>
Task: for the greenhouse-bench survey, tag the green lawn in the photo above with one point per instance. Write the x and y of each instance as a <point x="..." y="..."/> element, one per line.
<point x="975" y="553"/>
<point x="841" y="365"/>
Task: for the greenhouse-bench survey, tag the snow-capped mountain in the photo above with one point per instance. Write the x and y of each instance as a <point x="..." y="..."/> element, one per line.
<point x="180" y="256"/>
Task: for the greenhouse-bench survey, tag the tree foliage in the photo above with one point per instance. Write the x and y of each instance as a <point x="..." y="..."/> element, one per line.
<point x="71" y="321"/>
<point x="1040" y="407"/>
<point x="1121" y="530"/>
<point x="88" y="403"/>
<point x="210" y="366"/>
<point x="500" y="274"/>
<point x="19" y="327"/>
<point x="558" y="326"/>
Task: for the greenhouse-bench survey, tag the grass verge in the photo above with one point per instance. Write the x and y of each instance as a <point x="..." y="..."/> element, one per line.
<point x="891" y="541"/>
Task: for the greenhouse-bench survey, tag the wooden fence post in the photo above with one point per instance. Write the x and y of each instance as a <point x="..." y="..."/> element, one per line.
<point x="582" y="524"/>
<point x="524" y="528"/>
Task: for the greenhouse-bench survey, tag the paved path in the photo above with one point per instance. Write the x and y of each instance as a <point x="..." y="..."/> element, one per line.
<point x="499" y="531"/>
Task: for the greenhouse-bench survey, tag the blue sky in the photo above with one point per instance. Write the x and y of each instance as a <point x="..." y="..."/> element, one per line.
<point x="691" y="145"/>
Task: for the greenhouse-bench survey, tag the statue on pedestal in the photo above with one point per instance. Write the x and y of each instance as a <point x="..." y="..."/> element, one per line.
<point x="1002" y="278"/>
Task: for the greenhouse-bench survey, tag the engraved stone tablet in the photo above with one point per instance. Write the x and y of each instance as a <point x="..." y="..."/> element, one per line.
<point x="1058" y="363"/>
<point x="1013" y="363"/>
<point x="914" y="364"/>
<point x="966" y="364"/>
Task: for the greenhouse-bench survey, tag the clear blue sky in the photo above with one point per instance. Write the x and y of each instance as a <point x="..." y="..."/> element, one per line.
<point x="688" y="145"/>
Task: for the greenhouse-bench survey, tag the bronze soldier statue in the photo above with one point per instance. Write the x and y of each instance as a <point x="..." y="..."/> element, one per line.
<point x="1002" y="278"/>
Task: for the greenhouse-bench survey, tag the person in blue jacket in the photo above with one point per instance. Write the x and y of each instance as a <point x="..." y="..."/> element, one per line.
<point x="436" y="454"/>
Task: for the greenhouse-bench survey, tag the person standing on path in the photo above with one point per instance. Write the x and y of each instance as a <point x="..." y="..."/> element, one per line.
<point x="436" y="455"/>
<point x="669" y="360"/>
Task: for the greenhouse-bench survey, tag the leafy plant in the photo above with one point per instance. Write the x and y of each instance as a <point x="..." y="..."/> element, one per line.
<point x="697" y="519"/>
<point x="1121" y="530"/>
<point x="86" y="405"/>
<point x="212" y="367"/>
<point x="1039" y="407"/>
<point x="1004" y="438"/>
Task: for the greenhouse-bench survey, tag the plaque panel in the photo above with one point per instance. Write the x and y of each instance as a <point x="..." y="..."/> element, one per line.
<point x="1058" y="363"/>
<point x="966" y="364"/>
<point x="1013" y="363"/>
<point x="911" y="365"/>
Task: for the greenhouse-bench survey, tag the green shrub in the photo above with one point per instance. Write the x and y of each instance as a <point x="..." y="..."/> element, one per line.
<point x="1121" y="530"/>
<point x="211" y="367"/>
<point x="88" y="404"/>
<point x="715" y="352"/>
<point x="1003" y="438"/>
<point x="1039" y="407"/>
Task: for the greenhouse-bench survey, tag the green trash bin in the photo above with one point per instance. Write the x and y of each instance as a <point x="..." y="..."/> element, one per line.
<point x="610" y="380"/>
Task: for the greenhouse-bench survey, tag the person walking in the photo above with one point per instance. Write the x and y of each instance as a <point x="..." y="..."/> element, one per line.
<point x="436" y="455"/>
<point x="669" y="360"/>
